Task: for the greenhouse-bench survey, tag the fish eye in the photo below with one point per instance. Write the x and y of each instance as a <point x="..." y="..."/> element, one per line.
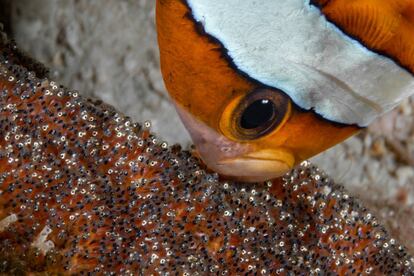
<point x="256" y="114"/>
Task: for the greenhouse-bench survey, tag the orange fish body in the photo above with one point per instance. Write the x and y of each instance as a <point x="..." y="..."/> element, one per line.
<point x="264" y="86"/>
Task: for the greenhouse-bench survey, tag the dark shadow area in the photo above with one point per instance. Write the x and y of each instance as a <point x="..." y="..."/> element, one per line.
<point x="8" y="46"/>
<point x="5" y="11"/>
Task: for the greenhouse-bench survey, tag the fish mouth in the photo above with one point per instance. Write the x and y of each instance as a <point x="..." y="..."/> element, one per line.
<point x="257" y="166"/>
<point x="242" y="161"/>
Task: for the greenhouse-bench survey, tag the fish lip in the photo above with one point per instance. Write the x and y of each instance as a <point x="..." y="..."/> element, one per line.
<point x="256" y="166"/>
<point x="279" y="155"/>
<point x="241" y="169"/>
<point x="227" y="161"/>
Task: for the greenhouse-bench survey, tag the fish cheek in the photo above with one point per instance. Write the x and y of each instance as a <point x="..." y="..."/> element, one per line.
<point x="307" y="134"/>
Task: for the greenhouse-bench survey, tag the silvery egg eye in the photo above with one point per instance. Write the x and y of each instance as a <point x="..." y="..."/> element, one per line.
<point x="259" y="113"/>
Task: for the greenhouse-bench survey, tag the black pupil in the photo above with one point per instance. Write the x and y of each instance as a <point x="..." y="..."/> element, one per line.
<point x="258" y="114"/>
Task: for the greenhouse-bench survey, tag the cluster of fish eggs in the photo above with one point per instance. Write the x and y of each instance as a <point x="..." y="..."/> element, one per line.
<point x="84" y="190"/>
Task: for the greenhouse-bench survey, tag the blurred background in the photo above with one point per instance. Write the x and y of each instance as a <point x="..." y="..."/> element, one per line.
<point x="108" y="50"/>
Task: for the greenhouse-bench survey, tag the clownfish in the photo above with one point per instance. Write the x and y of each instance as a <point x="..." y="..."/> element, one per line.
<point x="263" y="85"/>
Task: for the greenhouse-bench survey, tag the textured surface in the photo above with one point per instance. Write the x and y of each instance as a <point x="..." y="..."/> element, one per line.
<point x="106" y="50"/>
<point x="84" y="189"/>
<point x="88" y="44"/>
